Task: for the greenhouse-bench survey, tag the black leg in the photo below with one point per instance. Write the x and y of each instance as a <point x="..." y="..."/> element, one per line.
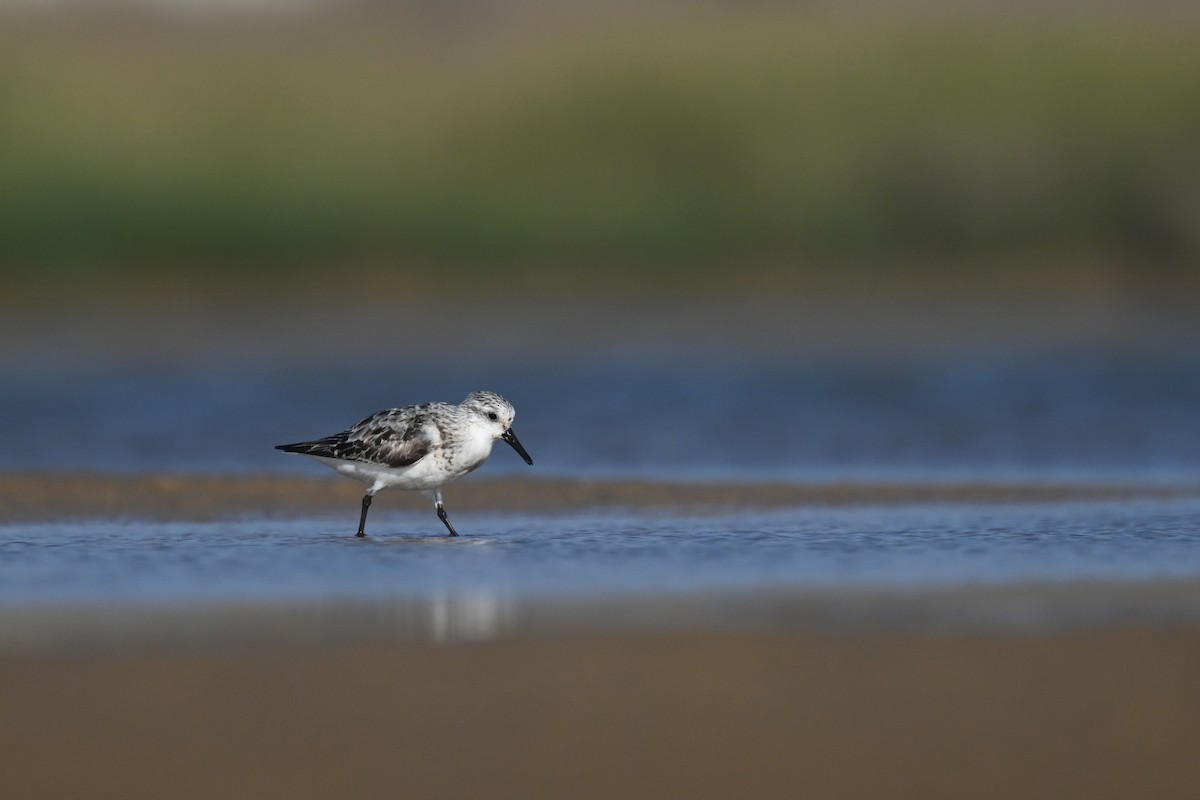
<point x="362" y="521"/>
<point x="442" y="516"/>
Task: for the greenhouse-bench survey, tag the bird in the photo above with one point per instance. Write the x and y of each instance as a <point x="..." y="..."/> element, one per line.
<point x="417" y="447"/>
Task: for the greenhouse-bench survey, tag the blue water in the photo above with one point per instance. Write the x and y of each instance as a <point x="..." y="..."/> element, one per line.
<point x="1001" y="418"/>
<point x="588" y="554"/>
<point x="1065" y="417"/>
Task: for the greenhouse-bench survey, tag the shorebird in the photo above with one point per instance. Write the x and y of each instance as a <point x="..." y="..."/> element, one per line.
<point x="419" y="448"/>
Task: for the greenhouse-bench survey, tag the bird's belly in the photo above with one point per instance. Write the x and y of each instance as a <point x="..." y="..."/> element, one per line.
<point x="427" y="473"/>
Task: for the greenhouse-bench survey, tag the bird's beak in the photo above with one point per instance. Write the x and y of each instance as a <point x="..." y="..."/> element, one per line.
<point x="511" y="438"/>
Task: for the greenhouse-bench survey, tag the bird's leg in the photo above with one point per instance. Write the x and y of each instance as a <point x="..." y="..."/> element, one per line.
<point x="362" y="521"/>
<point x="436" y="494"/>
<point x="441" y="509"/>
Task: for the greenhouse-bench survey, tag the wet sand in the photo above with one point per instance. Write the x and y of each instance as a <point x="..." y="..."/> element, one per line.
<point x="821" y="695"/>
<point x="1098" y="714"/>
<point x="36" y="496"/>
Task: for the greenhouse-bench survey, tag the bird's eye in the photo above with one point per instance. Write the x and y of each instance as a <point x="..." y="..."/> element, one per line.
<point x="492" y="416"/>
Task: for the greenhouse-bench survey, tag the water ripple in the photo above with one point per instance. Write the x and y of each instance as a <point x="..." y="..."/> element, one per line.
<point x="590" y="553"/>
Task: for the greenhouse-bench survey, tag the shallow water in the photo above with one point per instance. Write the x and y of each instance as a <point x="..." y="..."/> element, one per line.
<point x="593" y="554"/>
<point x="999" y="418"/>
<point x="1017" y="417"/>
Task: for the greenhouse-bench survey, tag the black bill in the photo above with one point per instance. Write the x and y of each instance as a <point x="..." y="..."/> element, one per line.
<point x="511" y="438"/>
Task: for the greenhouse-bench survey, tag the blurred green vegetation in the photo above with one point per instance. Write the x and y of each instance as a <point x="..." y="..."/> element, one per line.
<point x="676" y="140"/>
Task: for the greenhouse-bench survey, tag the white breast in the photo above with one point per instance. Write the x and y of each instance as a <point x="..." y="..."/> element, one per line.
<point x="472" y="450"/>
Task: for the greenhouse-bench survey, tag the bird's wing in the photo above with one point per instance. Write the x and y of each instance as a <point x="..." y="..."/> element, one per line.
<point x="397" y="437"/>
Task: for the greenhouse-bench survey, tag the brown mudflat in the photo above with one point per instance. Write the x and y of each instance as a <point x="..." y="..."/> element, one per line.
<point x="1100" y="714"/>
<point x="34" y="496"/>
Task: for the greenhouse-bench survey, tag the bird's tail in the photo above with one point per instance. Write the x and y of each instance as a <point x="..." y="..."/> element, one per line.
<point x="315" y="448"/>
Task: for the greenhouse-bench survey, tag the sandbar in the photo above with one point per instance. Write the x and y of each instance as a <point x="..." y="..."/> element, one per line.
<point x="55" y="496"/>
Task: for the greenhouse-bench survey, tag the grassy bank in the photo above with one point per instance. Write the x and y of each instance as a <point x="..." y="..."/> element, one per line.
<point x="673" y="142"/>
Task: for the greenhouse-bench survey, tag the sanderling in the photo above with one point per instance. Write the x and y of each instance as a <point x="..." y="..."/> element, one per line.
<point x="421" y="447"/>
